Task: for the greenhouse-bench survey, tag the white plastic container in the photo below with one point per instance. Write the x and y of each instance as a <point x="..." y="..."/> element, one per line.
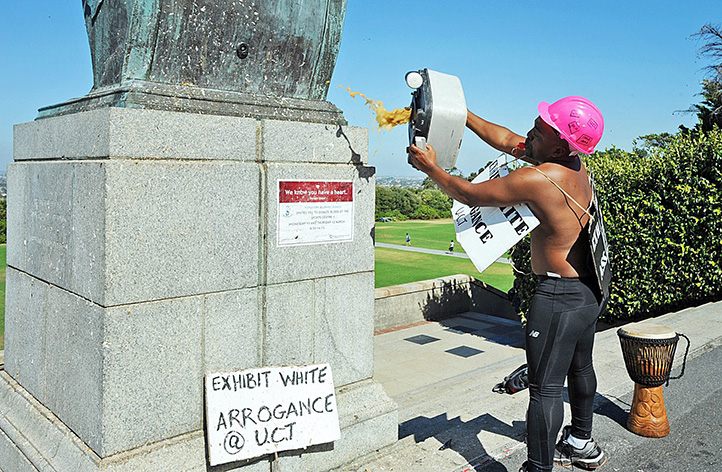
<point x="438" y="113"/>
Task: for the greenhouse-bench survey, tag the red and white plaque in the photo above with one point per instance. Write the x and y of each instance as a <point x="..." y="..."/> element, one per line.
<point x="314" y="212"/>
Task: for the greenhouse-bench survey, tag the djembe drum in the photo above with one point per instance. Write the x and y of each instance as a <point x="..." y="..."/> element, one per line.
<point x="648" y="352"/>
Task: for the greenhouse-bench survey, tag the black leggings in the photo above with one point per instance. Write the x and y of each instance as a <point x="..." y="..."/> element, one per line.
<point x="559" y="339"/>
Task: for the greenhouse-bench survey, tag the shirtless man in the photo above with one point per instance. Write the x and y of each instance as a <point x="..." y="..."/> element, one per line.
<point x="562" y="318"/>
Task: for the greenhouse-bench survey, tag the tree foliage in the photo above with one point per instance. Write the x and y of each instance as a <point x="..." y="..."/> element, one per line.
<point x="711" y="36"/>
<point x="709" y="110"/>
<point x="402" y="203"/>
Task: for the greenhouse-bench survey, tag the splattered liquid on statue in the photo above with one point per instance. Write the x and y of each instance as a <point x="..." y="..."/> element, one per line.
<point x="385" y="119"/>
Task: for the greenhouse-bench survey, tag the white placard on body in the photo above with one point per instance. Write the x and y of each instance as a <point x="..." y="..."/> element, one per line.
<point x="255" y="412"/>
<point x="486" y="233"/>
<point x="314" y="212"/>
<point x="598" y="243"/>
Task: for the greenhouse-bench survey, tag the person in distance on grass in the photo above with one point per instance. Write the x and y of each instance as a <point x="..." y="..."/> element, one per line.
<point x="562" y="318"/>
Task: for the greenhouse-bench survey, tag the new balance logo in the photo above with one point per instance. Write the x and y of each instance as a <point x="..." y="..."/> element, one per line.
<point x="534" y="334"/>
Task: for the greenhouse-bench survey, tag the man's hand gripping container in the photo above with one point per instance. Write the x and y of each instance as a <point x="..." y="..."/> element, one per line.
<point x="438" y="114"/>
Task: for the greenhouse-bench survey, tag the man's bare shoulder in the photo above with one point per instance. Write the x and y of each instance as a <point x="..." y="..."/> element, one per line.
<point x="527" y="173"/>
<point x="557" y="171"/>
<point x="527" y="177"/>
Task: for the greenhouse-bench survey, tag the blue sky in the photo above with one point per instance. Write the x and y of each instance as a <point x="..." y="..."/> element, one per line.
<point x="634" y="59"/>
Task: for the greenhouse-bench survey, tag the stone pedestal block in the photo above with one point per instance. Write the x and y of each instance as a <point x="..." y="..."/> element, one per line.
<point x="142" y="254"/>
<point x="127" y="231"/>
<point x="327" y="325"/>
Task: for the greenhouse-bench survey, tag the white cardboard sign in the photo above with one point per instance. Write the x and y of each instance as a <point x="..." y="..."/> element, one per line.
<point x="314" y="212"/>
<point x="486" y="233"/>
<point x="254" y="412"/>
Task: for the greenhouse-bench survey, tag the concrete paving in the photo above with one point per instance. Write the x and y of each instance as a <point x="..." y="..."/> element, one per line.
<point x="441" y="376"/>
<point x="423" y="250"/>
<point x="432" y="251"/>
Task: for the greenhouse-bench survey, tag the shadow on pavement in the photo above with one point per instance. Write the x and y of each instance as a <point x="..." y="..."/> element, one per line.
<point x="463" y="436"/>
<point x="610" y="408"/>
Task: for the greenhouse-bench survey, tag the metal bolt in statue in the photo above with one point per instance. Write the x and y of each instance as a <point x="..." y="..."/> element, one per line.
<point x="145" y="52"/>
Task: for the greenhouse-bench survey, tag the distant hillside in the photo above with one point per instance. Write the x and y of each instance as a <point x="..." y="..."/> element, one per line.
<point x="403" y="182"/>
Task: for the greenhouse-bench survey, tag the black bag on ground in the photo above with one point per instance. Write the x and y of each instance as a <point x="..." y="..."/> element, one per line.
<point x="514" y="382"/>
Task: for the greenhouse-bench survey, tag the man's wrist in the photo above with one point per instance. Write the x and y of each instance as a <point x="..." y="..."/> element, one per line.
<point x="435" y="169"/>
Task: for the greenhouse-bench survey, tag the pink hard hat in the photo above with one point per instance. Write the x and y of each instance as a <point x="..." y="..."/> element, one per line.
<point x="577" y="119"/>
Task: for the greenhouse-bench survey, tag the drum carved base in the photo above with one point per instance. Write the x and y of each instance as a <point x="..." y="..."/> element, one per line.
<point x="648" y="416"/>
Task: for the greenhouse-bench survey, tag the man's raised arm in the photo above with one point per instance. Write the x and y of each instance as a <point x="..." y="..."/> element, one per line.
<point x="498" y="137"/>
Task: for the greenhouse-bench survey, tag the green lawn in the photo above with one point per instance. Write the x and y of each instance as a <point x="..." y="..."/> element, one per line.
<point x="395" y="267"/>
<point x="429" y="234"/>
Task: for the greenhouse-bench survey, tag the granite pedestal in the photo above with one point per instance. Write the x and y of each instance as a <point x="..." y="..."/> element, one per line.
<point x="142" y="255"/>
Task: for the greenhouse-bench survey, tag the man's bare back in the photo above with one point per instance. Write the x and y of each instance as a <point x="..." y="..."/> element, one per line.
<point x="559" y="244"/>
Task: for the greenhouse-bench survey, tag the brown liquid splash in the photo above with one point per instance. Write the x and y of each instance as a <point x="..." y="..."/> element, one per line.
<point x="386" y="119"/>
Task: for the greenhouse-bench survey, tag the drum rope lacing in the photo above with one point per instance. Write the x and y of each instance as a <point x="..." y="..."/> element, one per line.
<point x="684" y="360"/>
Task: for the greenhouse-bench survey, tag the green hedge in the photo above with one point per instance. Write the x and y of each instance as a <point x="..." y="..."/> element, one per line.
<point x="663" y="213"/>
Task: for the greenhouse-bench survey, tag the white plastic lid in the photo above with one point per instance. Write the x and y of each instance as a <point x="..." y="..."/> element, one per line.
<point x="414" y="80"/>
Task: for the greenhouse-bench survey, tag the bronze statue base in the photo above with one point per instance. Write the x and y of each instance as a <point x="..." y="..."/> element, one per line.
<point x="192" y="99"/>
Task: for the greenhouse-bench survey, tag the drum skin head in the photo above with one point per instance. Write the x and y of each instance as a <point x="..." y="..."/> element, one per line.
<point x="648" y="331"/>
